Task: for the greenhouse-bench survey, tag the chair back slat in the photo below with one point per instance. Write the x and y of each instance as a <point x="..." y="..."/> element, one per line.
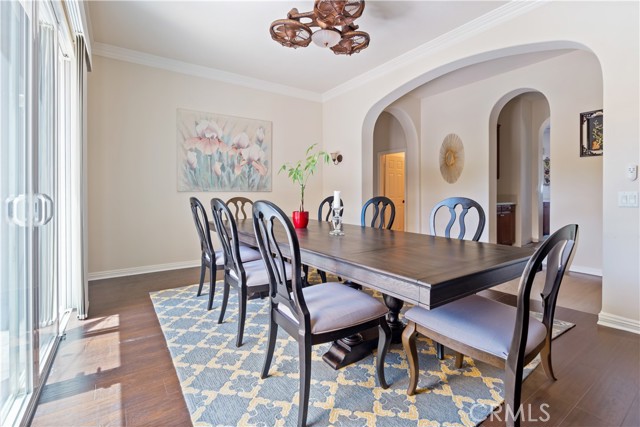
<point x="239" y="207"/>
<point x="266" y="218"/>
<point x="201" y="221"/>
<point x="327" y="201"/>
<point x="466" y="204"/>
<point x="227" y="232"/>
<point x="379" y="204"/>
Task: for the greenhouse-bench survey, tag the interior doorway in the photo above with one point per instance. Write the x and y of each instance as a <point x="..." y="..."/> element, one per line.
<point x="522" y="179"/>
<point x="392" y="184"/>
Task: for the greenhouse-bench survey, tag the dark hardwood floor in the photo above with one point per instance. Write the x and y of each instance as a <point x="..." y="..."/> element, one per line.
<point x="114" y="369"/>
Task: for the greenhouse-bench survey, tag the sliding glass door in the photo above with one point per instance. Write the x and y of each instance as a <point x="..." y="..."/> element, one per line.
<point x="35" y="183"/>
<point x="16" y="232"/>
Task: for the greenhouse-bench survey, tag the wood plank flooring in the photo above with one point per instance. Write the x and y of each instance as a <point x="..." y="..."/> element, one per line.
<point x="114" y="369"/>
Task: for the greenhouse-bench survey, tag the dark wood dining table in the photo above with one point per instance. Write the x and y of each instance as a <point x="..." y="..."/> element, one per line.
<point x="419" y="269"/>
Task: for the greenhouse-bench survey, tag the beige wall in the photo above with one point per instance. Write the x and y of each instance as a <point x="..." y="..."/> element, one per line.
<point x="137" y="218"/>
<point x="350" y="116"/>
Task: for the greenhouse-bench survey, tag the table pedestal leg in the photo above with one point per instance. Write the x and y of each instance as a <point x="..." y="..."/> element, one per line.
<point x="393" y="318"/>
<point x="356" y="347"/>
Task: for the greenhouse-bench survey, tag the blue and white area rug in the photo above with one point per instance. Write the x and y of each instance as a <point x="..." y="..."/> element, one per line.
<point x="222" y="386"/>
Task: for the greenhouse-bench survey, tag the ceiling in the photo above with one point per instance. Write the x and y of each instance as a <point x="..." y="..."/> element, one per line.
<point x="233" y="36"/>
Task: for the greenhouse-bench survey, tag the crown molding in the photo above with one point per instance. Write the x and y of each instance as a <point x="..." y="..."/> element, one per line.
<point x="141" y="58"/>
<point x="463" y="32"/>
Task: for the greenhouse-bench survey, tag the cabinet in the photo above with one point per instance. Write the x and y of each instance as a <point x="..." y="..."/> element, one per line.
<point x="545" y="218"/>
<point x="506" y="223"/>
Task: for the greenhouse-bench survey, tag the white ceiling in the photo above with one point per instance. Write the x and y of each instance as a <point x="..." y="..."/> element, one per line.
<point x="233" y="36"/>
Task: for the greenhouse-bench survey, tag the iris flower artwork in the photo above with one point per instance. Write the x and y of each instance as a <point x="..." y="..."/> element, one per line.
<point x="223" y="153"/>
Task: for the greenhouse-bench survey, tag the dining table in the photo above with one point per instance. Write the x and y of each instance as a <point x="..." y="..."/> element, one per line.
<point x="405" y="267"/>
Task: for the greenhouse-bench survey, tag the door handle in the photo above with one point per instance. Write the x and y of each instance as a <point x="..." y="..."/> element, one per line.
<point x="43" y="210"/>
<point x="16" y="212"/>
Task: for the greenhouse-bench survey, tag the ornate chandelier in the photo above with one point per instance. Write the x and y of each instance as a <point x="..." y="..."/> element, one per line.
<point x="335" y="22"/>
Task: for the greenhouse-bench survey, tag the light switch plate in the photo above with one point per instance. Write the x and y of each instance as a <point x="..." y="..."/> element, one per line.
<point x="628" y="199"/>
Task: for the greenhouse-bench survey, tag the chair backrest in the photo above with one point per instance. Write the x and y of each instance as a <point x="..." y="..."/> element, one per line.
<point x="379" y="204"/>
<point x="202" y="227"/>
<point x="268" y="221"/>
<point x="327" y="201"/>
<point x="239" y="207"/>
<point x="227" y="232"/>
<point x="466" y="204"/>
<point x="557" y="250"/>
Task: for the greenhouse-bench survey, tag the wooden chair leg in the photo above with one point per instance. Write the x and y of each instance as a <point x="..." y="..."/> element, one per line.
<point x="458" y="361"/>
<point x="203" y="270"/>
<point x="439" y="351"/>
<point x="512" y="394"/>
<point x="225" y="298"/>
<point x="304" y="349"/>
<point x="242" y="313"/>
<point x="384" y="339"/>
<point x="212" y="285"/>
<point x="323" y="276"/>
<point x="545" y="355"/>
<point x="271" y="344"/>
<point x="305" y="270"/>
<point x="409" y="336"/>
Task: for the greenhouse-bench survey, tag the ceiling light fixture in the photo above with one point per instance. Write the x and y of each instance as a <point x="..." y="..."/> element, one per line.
<point x="335" y="22"/>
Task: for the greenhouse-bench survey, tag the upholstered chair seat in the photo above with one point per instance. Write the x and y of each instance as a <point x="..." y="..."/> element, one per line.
<point x="479" y="322"/>
<point x="257" y="274"/>
<point x="247" y="254"/>
<point x="333" y="306"/>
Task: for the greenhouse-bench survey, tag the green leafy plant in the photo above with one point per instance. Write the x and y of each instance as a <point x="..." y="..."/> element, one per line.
<point x="300" y="171"/>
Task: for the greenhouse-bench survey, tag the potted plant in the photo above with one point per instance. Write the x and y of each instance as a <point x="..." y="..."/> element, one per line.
<point x="299" y="173"/>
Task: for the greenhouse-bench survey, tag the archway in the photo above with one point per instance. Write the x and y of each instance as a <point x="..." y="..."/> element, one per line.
<point x="517" y="118"/>
<point x="412" y="165"/>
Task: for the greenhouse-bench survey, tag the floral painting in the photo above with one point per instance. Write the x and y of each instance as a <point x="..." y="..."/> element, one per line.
<point x="223" y="153"/>
<point x="591" y="133"/>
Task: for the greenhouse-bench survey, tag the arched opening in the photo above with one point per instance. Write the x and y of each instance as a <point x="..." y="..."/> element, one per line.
<point x="395" y="132"/>
<point x="519" y="171"/>
<point x="465" y="97"/>
<point x="389" y="171"/>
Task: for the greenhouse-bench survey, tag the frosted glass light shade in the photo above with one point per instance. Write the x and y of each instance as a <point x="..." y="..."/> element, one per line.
<point x="326" y="37"/>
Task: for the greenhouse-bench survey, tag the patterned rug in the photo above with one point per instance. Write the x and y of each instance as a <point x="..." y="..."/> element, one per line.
<point x="222" y="387"/>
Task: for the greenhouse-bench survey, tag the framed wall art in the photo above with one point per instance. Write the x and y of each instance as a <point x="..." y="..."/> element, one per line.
<point x="222" y="153"/>
<point x="591" y="126"/>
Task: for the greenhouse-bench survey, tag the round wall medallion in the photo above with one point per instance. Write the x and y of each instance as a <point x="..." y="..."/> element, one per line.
<point x="451" y="158"/>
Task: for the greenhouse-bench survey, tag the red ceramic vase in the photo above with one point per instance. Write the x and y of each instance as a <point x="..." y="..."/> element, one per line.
<point x="300" y="219"/>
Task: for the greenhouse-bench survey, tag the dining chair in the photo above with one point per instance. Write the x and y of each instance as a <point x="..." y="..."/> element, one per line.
<point x="328" y="201"/>
<point x="465" y="204"/>
<point x="314" y="314"/>
<point x="451" y="203"/>
<point x="239" y="207"/>
<point x="379" y="204"/>
<point x="209" y="258"/>
<point x="247" y="277"/>
<point x="495" y="333"/>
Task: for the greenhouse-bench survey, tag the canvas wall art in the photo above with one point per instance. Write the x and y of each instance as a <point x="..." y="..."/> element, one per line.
<point x="223" y="153"/>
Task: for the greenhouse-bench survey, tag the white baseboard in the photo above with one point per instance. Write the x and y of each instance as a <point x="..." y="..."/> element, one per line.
<point x="618" y="322"/>
<point x="586" y="270"/>
<point x="142" y="270"/>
